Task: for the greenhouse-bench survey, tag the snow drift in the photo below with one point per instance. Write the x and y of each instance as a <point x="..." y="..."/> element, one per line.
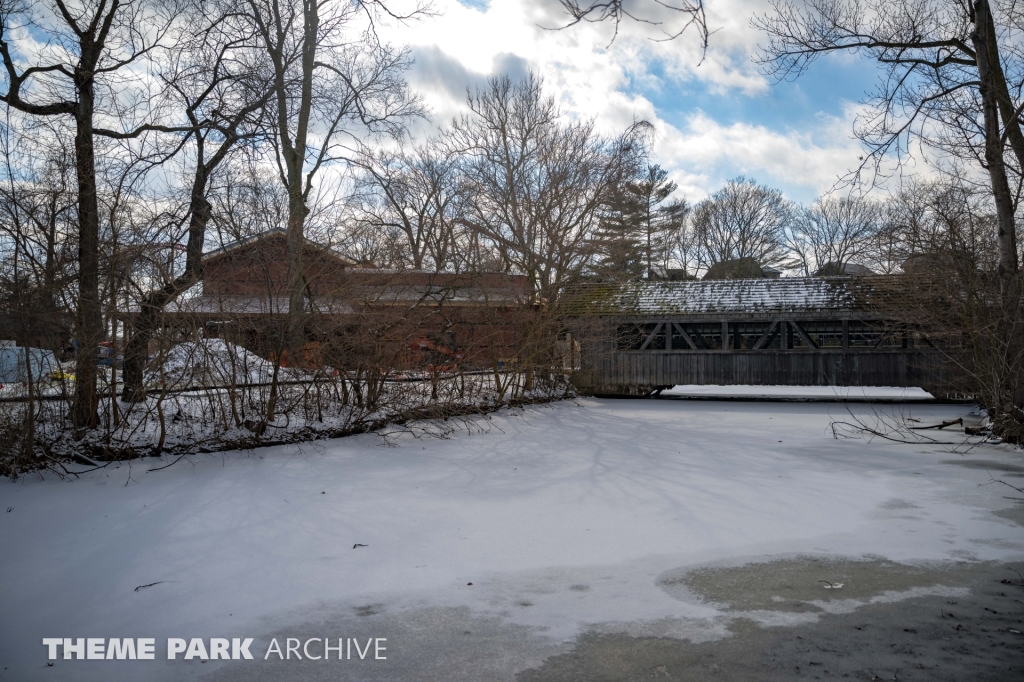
<point x="210" y="362"/>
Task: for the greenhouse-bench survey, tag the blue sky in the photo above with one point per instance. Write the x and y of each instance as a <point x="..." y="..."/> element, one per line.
<point x="825" y="89"/>
<point x="715" y="121"/>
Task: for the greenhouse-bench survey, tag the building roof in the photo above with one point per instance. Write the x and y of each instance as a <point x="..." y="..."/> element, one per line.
<point x="790" y="295"/>
<point x="368" y="287"/>
<point x="831" y="269"/>
<point x="250" y="305"/>
<point x="277" y="233"/>
<point x="449" y="295"/>
<point x="741" y="268"/>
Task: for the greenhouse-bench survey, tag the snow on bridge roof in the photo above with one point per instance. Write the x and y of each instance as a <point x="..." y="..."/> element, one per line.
<point x="737" y="296"/>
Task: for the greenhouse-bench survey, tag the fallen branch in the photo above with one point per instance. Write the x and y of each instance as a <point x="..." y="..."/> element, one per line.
<point x="82" y="459"/>
<point x="943" y="425"/>
<point x="999" y="480"/>
<point x="874" y="432"/>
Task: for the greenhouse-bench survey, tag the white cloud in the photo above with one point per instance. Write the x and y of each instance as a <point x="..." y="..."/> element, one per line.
<point x="707" y="153"/>
<point x="463" y="46"/>
<point x="578" y="63"/>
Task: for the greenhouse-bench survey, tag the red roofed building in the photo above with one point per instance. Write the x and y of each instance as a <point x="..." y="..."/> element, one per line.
<point x="244" y="298"/>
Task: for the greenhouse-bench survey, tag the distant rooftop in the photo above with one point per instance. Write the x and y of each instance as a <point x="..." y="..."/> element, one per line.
<point x="278" y="232"/>
<point x="834" y="269"/>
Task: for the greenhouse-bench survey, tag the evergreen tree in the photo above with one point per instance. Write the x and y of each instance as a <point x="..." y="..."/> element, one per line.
<point x="619" y="237"/>
<point x="657" y="221"/>
<point x="641" y="227"/>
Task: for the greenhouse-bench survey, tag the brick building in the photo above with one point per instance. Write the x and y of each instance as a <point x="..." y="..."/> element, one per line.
<point x="398" y="317"/>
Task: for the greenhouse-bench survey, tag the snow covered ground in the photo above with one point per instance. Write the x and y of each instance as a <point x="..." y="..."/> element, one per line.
<point x="485" y="553"/>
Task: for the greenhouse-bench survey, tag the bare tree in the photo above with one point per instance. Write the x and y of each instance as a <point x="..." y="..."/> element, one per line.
<point x="250" y="200"/>
<point x="681" y="242"/>
<point x="945" y="86"/>
<point x="217" y="83"/>
<point x="535" y="183"/>
<point x="334" y="83"/>
<point x="944" y="82"/>
<point x="690" y="14"/>
<point x="741" y="220"/>
<point x="83" y="73"/>
<point x="37" y="256"/>
<point x="833" y="233"/>
<point x="416" y="195"/>
<point x="950" y="292"/>
<point x="37" y="211"/>
<point x="930" y="221"/>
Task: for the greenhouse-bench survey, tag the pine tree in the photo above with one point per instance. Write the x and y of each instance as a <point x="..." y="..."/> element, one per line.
<point x="618" y="237"/>
<point x="640" y="227"/>
<point x="656" y="220"/>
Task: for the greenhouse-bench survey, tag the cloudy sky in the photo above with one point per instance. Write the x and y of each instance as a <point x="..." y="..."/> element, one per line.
<point x="715" y="120"/>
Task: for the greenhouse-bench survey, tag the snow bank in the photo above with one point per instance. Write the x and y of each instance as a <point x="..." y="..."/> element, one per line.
<point x="210" y="362"/>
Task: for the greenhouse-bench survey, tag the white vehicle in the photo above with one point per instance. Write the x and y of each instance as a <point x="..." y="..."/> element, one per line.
<point x="15" y="369"/>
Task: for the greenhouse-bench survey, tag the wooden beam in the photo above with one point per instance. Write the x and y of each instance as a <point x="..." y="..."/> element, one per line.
<point x="766" y="336"/>
<point x="725" y="335"/>
<point x="883" y="337"/>
<point x="699" y="337"/>
<point x="650" y="338"/>
<point x="686" y="337"/>
<point x="803" y="335"/>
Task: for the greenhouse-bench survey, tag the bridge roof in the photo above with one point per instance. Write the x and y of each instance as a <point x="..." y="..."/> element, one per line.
<point x="788" y="295"/>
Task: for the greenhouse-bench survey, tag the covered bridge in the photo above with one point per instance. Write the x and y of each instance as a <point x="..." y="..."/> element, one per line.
<point x="637" y="337"/>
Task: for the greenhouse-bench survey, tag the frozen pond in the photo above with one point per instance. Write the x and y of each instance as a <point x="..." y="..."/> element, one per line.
<point x="601" y="533"/>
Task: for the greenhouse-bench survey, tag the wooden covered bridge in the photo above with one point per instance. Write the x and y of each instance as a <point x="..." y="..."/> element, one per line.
<point x="639" y="337"/>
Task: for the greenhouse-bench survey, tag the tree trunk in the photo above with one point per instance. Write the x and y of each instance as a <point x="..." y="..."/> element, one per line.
<point x="295" y="336"/>
<point x="152" y="306"/>
<point x="993" y="86"/>
<point x="1011" y="124"/>
<point x="984" y="39"/>
<point x="89" y="322"/>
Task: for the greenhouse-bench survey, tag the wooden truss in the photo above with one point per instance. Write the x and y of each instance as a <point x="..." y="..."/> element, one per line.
<point x="783" y="327"/>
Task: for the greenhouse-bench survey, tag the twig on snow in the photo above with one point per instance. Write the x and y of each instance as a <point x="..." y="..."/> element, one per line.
<point x="178" y="459"/>
<point x="999" y="480"/>
<point x="141" y="587"/>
